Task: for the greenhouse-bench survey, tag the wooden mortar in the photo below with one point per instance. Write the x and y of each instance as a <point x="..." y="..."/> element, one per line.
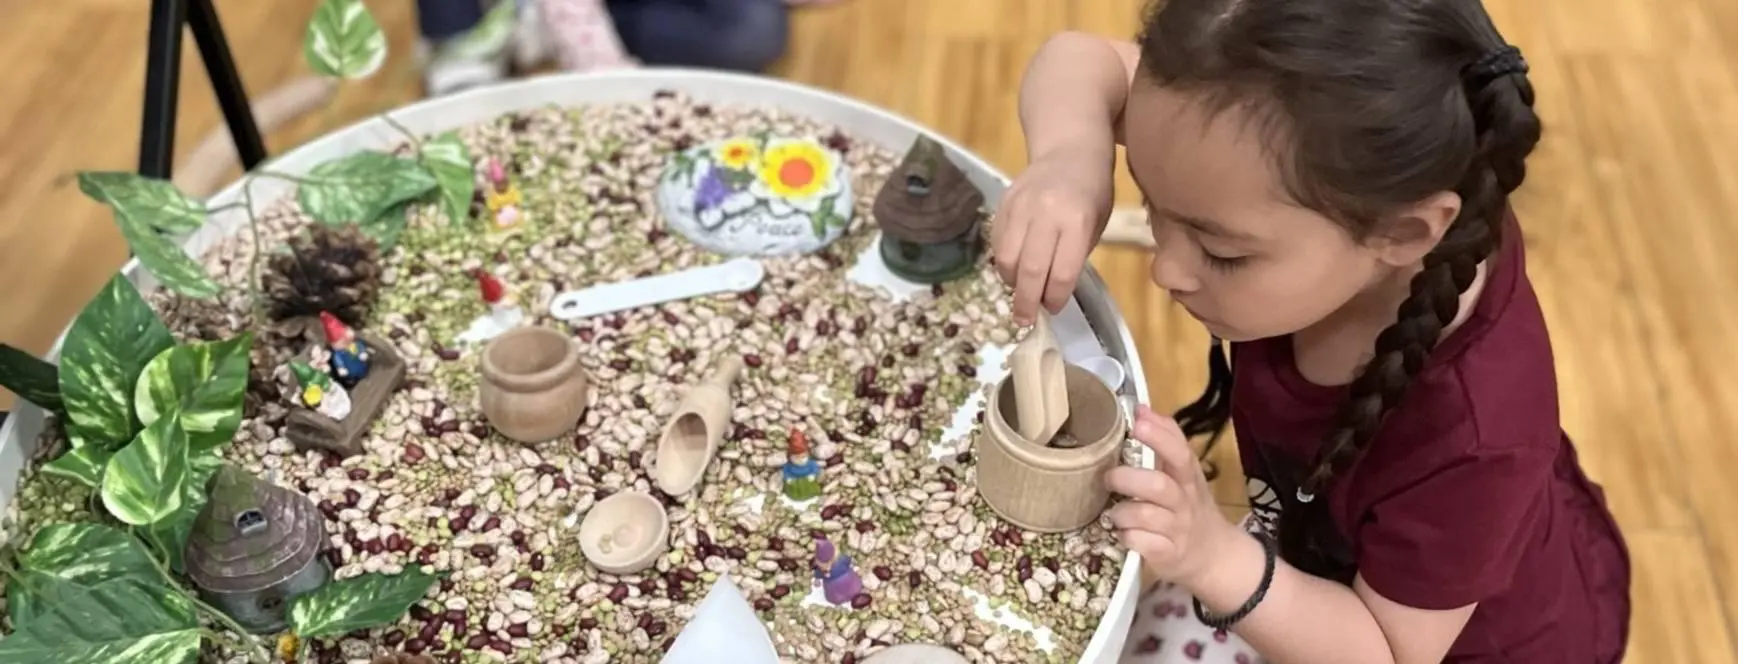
<point x="1049" y="489"/>
<point x="533" y="387"/>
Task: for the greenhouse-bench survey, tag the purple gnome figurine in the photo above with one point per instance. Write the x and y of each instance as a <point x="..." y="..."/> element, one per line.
<point x="839" y="582"/>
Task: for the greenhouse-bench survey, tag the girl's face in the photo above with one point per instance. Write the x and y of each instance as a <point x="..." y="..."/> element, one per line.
<point x="1231" y="245"/>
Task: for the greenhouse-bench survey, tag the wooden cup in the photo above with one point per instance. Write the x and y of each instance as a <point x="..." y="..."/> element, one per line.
<point x="1048" y="489"/>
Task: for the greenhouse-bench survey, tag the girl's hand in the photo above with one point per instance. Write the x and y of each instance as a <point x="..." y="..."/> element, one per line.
<point x="1046" y="225"/>
<point x="1173" y="521"/>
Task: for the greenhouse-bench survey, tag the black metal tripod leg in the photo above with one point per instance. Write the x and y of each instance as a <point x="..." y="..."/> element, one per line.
<point x="226" y="82"/>
<point x="162" y="85"/>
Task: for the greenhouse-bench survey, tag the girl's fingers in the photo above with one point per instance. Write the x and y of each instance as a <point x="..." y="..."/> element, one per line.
<point x="1147" y="485"/>
<point x="1138" y="515"/>
<point x="1037" y="251"/>
<point x="1070" y="259"/>
<point x="1007" y="238"/>
<point x="1152" y="546"/>
<point x="1163" y="436"/>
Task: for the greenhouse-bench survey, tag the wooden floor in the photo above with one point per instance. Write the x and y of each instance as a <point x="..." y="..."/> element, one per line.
<point x="1629" y="213"/>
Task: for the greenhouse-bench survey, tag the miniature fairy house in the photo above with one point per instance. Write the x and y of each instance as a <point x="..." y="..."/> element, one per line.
<point x="928" y="212"/>
<point x="254" y="547"/>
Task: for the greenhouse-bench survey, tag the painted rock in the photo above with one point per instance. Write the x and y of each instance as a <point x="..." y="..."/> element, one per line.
<point x="757" y="196"/>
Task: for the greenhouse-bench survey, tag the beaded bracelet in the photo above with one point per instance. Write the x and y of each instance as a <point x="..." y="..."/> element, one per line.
<point x="1226" y="621"/>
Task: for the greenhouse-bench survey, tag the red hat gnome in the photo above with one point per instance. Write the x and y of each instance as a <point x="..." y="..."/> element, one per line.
<point x="350" y="356"/>
<point x="802" y="475"/>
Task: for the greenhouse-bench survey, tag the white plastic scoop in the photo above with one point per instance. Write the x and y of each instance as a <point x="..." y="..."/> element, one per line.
<point x="733" y="276"/>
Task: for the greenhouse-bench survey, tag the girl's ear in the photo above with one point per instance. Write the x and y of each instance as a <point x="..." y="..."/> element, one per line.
<point x="1403" y="238"/>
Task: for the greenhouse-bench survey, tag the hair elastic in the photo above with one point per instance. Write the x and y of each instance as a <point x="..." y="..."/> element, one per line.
<point x="1496" y="63"/>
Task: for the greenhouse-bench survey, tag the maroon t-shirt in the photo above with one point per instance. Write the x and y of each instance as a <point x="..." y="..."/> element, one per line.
<point x="1470" y="492"/>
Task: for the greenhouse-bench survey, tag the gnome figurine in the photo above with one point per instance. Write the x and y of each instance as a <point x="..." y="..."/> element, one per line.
<point x="503" y="314"/>
<point x="319" y="392"/>
<point x="802" y="475"/>
<point x="502" y="198"/>
<point x="839" y="580"/>
<point x="350" y="357"/>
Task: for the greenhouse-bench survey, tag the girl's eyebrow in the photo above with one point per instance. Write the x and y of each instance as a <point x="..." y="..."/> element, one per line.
<point x="1204" y="226"/>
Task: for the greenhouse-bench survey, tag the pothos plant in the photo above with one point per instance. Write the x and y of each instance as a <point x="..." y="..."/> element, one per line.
<point x="145" y="416"/>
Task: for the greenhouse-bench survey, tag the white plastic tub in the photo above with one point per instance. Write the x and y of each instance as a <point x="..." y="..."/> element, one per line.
<point x="18" y="435"/>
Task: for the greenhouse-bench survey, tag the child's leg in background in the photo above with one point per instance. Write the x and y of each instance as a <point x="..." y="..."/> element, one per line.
<point x="740" y="35"/>
<point x="445" y="71"/>
<point x="585" y="37"/>
<point x="440" y="20"/>
<point x="1165" y="631"/>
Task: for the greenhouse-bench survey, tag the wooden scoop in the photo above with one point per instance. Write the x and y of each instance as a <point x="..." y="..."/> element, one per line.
<point x="696" y="430"/>
<point x="1040" y="383"/>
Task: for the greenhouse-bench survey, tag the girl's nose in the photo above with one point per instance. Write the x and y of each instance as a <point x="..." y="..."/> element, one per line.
<point x="1172" y="266"/>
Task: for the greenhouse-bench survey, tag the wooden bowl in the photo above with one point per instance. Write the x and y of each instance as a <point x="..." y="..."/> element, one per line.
<point x="1051" y="489"/>
<point x="916" y="653"/>
<point x="625" y="533"/>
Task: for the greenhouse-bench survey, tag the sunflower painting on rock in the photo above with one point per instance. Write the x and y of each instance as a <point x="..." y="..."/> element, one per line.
<point x="757" y="195"/>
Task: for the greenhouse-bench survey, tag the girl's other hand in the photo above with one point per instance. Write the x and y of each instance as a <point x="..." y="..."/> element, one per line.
<point x="1045" y="227"/>
<point x="1173" y="521"/>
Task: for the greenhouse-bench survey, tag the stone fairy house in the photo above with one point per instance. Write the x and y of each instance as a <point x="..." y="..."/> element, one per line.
<point x="929" y="212"/>
<point x="254" y="547"/>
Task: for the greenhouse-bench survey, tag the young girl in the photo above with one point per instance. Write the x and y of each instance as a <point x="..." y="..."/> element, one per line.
<point x="1328" y="185"/>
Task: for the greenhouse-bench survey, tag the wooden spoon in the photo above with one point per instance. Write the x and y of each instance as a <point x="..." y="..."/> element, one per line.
<point x="1040" y="383"/>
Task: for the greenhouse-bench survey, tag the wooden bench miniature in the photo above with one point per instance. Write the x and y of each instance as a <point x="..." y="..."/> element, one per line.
<point x="310" y="430"/>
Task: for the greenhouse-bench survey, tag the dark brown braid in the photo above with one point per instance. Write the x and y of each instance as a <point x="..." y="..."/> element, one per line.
<point x="1371" y="106"/>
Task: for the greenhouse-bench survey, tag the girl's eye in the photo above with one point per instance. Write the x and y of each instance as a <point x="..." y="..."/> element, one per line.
<point x="1224" y="263"/>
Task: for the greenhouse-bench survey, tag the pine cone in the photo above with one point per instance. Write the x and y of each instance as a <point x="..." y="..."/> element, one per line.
<point x="402" y="658"/>
<point x="333" y="268"/>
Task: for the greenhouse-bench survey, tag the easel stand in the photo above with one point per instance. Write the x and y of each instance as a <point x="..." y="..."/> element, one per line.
<point x="163" y="84"/>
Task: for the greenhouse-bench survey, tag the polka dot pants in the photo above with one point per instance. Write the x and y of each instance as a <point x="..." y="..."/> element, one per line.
<point x="1165" y="631"/>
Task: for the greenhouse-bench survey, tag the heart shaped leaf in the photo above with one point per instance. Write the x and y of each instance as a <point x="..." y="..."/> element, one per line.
<point x="449" y="161"/>
<point x="170" y="534"/>
<point x="110" y="342"/>
<point x="152" y="202"/>
<point x="362" y="188"/>
<point x="31" y="378"/>
<point x="344" y="40"/>
<point x="359" y="602"/>
<point x="139" y="208"/>
<point x="488" y="37"/>
<point x="124" y="620"/>
<point x="203" y="383"/>
<point x="144" y="481"/>
<point x="82" y="553"/>
<point x="83" y="463"/>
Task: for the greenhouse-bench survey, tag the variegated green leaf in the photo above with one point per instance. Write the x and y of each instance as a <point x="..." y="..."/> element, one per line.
<point x="202" y="382"/>
<point x="110" y="342"/>
<point x="152" y="202"/>
<point x="81" y="553"/>
<point x="144" y="481"/>
<point x="84" y="463"/>
<point x="137" y="221"/>
<point x="124" y="620"/>
<point x="446" y="157"/>
<point x="359" y="602"/>
<point x="344" y="40"/>
<point x="170" y="535"/>
<point x="362" y="188"/>
<point x="32" y="378"/>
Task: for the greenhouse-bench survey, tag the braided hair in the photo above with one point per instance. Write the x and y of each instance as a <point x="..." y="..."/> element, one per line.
<point x="1369" y="106"/>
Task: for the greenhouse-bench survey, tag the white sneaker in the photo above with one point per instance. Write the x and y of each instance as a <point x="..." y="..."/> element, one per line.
<point x="445" y="71"/>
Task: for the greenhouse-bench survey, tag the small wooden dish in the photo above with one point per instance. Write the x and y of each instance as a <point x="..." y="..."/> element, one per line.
<point x="1044" y="487"/>
<point x="625" y="533"/>
<point x="916" y="653"/>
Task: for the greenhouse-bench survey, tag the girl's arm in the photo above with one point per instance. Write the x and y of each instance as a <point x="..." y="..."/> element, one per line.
<point x="1072" y="96"/>
<point x="1306" y="619"/>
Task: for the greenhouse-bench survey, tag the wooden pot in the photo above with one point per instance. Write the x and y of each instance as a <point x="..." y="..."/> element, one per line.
<point x="533" y="387"/>
<point x="1048" y="489"/>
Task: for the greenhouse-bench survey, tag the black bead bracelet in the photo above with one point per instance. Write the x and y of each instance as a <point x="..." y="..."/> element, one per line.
<point x="1226" y="621"/>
